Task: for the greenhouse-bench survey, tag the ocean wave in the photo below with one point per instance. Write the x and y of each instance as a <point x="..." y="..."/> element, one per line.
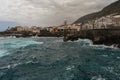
<point x="10" y="44"/>
<point x="3" y="53"/>
<point x="10" y="66"/>
<point x="18" y="43"/>
<point x="18" y="64"/>
<point x="1" y="38"/>
<point x="58" y="41"/>
<point x="89" y="44"/>
<point x="69" y="68"/>
<point x="97" y="78"/>
<point x="104" y="47"/>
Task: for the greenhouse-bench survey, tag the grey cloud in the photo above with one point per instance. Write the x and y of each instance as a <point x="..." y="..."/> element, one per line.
<point x="48" y="12"/>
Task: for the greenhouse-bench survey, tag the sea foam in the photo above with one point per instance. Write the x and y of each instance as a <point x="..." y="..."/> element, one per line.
<point x="3" y="53"/>
<point x="18" y="43"/>
<point x="89" y="44"/>
<point x="9" y="44"/>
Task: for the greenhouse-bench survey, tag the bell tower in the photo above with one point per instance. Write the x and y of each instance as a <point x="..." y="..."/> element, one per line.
<point x="65" y="22"/>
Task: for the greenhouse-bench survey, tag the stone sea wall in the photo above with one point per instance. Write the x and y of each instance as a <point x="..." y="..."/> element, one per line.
<point x="102" y="36"/>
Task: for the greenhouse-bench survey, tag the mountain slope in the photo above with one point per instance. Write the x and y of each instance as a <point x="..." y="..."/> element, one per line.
<point x="110" y="9"/>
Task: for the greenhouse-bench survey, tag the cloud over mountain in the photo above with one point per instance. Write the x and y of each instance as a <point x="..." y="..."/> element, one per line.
<point x="47" y="12"/>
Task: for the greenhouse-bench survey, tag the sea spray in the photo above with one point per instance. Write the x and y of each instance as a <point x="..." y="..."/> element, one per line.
<point x="89" y="44"/>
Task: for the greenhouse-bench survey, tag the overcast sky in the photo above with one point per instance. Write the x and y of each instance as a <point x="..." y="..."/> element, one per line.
<point x="47" y="12"/>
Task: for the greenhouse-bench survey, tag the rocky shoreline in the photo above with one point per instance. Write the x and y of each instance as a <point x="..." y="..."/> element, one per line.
<point x="102" y="36"/>
<point x="27" y="34"/>
<point x="106" y="37"/>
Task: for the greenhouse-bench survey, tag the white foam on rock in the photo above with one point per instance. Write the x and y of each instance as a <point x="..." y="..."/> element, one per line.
<point x="89" y="44"/>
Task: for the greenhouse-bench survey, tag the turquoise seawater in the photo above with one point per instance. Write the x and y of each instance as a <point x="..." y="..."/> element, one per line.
<point x="52" y="59"/>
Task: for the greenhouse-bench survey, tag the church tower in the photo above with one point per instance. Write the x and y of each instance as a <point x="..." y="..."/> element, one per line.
<point x="65" y="22"/>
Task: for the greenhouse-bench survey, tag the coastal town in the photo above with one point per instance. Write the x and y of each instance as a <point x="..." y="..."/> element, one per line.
<point x="106" y="22"/>
<point x="51" y="31"/>
<point x="60" y="40"/>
